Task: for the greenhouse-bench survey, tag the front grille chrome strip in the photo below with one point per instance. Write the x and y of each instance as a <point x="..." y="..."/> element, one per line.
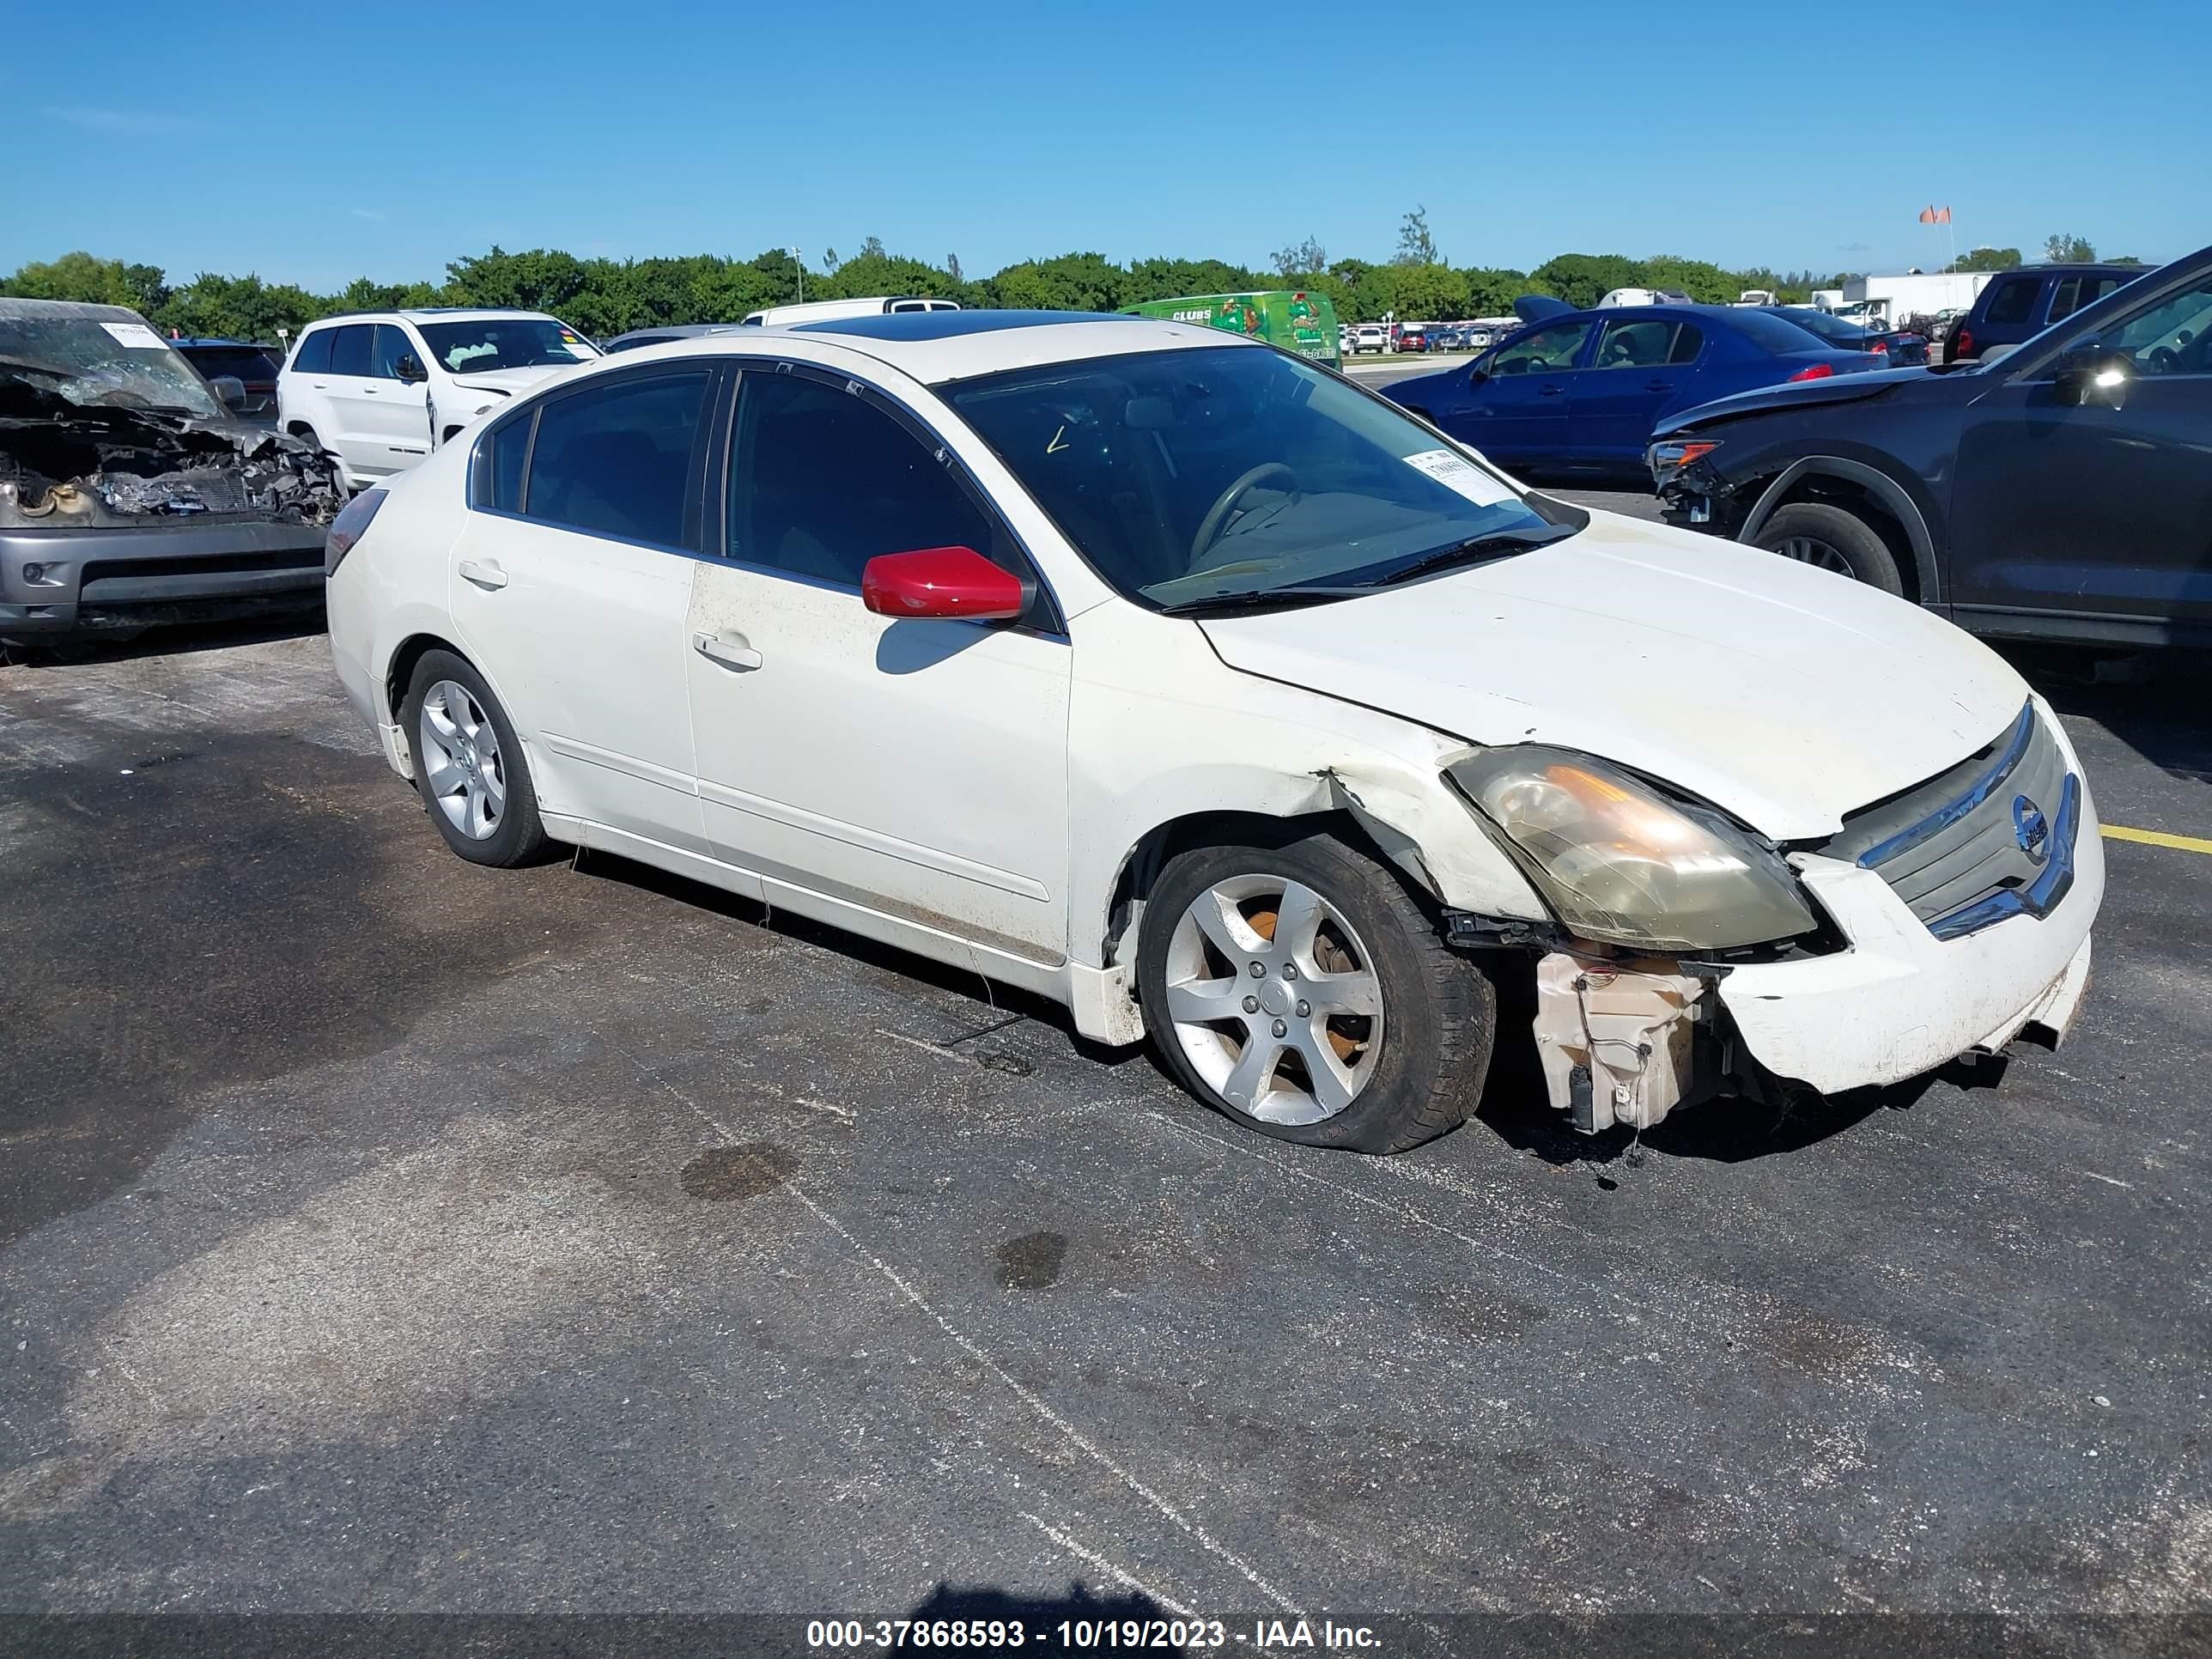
<point x="2023" y="729"/>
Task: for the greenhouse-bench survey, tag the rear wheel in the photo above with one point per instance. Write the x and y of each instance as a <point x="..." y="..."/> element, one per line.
<point x="1301" y="991"/>
<point x="469" y="765"/>
<point x="1830" y="538"/>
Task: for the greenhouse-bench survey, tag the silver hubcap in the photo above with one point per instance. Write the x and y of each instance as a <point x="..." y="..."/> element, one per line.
<point x="461" y="763"/>
<point x="1274" y="1000"/>
<point x="1819" y="555"/>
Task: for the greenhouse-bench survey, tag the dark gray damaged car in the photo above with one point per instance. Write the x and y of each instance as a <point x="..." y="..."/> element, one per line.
<point x="129" y="495"/>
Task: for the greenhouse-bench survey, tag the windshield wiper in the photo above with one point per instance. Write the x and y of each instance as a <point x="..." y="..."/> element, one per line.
<point x="1258" y="599"/>
<point x="1477" y="547"/>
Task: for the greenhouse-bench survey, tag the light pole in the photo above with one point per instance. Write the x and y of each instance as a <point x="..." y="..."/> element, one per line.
<point x="799" y="259"/>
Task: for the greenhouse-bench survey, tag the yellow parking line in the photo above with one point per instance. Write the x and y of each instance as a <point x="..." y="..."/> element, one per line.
<point x="2158" y="838"/>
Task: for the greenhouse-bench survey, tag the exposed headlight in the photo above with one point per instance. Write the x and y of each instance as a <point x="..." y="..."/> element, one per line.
<point x="1670" y="456"/>
<point x="1622" y="865"/>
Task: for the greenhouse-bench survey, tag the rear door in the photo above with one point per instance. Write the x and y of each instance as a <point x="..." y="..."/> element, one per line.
<point x="2082" y="513"/>
<point x="1643" y="365"/>
<point x="1516" y="412"/>
<point x="352" y="404"/>
<point x="570" y="582"/>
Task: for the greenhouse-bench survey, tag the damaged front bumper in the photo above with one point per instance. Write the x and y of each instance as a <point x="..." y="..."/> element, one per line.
<point x="1627" y="1040"/>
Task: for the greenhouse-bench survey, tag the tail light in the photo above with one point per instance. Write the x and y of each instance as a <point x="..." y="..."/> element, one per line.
<point x="1880" y="346"/>
<point x="1962" y="343"/>
<point x="1817" y="372"/>
<point x="353" y="518"/>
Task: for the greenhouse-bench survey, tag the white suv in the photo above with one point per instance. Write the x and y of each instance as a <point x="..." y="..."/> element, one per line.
<point x="381" y="390"/>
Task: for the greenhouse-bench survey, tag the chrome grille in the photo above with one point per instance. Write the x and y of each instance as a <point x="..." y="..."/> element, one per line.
<point x="1992" y="837"/>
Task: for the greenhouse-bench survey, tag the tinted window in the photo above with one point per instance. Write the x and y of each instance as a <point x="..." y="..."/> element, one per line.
<point x="1771" y="333"/>
<point x="246" y="362"/>
<point x="350" y="351"/>
<point x="314" y="357"/>
<point x="499" y="466"/>
<point x="613" y="460"/>
<point x="1688" y="343"/>
<point x="2012" y="301"/>
<point x="1552" y="348"/>
<point x="1644" y="345"/>
<point x="392" y="344"/>
<point x="821" y="481"/>
<point x="2076" y="292"/>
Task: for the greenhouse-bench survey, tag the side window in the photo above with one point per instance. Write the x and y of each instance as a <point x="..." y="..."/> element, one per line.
<point x="2174" y="337"/>
<point x="392" y="344"/>
<point x="615" y="459"/>
<point x="1553" y="348"/>
<point x="496" y="469"/>
<point x="821" y="481"/>
<point x="350" y="352"/>
<point x="1636" y="345"/>
<point x="314" y="357"/>
<point x="2013" y="300"/>
<point x="1689" y="342"/>
<point x="2067" y="300"/>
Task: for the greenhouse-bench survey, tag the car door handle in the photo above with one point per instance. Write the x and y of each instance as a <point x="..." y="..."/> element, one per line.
<point x="732" y="651"/>
<point x="1658" y="385"/>
<point x="1549" y="390"/>
<point x="484" y="575"/>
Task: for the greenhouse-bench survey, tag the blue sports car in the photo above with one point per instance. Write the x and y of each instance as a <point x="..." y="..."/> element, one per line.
<point x="1575" y="395"/>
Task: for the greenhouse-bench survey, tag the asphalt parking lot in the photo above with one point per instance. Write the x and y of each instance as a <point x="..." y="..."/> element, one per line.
<point x="377" y="1231"/>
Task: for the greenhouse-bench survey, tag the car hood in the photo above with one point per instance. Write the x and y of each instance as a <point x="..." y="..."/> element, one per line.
<point x="1795" y="394"/>
<point x="509" y="381"/>
<point x="1785" y="695"/>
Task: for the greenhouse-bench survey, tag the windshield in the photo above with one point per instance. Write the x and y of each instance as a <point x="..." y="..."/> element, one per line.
<point x="98" y="360"/>
<point x="505" y="343"/>
<point x="1182" y="475"/>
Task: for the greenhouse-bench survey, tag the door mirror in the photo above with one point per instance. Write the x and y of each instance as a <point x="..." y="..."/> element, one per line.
<point x="409" y="370"/>
<point x="230" y="390"/>
<point x="2091" y="374"/>
<point x="956" y="584"/>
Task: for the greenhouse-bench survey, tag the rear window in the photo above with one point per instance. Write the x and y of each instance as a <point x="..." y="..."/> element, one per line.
<point x="1771" y="333"/>
<point x="2013" y="301"/>
<point x="243" y="361"/>
<point x="612" y="459"/>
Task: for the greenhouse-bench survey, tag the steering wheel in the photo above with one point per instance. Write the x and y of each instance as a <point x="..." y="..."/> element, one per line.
<point x="1209" y="526"/>
<point x="2165" y="360"/>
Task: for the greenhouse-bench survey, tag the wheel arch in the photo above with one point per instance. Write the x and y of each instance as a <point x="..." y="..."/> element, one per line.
<point x="1803" y="480"/>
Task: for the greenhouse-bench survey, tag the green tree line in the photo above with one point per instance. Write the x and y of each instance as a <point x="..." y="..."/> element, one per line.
<point x="605" y="297"/>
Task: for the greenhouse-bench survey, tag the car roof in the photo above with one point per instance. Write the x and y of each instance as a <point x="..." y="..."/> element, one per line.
<point x="210" y="340"/>
<point x="435" y="313"/>
<point x="935" y="347"/>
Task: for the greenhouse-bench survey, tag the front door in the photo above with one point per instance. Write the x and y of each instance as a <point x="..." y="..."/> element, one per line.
<point x="1516" y="413"/>
<point x="2089" y="511"/>
<point x="571" y="586"/>
<point x="916" y="769"/>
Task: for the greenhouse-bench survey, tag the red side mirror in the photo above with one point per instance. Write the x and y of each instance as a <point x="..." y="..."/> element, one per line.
<point x="954" y="582"/>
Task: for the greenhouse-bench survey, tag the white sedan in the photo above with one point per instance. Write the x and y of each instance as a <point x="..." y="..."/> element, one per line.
<point x="1189" y="685"/>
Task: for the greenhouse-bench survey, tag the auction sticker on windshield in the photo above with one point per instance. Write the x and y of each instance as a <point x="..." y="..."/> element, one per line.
<point x="136" y="334"/>
<point x="1457" y="473"/>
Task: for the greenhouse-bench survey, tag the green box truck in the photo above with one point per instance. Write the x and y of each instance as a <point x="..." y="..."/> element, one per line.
<point x="1296" y="320"/>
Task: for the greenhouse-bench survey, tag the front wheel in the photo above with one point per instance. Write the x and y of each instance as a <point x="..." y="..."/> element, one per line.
<point x="1829" y="538"/>
<point x="1300" y="990"/>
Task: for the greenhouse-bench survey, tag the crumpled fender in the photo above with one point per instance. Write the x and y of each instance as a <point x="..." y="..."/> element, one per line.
<point x="1283" y="752"/>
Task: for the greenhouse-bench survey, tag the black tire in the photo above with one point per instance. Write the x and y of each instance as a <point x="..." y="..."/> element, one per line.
<point x="519" y="836"/>
<point x="1832" y="534"/>
<point x="1440" y="1011"/>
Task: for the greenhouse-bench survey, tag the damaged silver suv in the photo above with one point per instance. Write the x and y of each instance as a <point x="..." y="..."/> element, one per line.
<point x="130" y="495"/>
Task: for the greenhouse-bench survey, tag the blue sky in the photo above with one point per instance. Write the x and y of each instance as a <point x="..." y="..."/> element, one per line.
<point x="314" y="144"/>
